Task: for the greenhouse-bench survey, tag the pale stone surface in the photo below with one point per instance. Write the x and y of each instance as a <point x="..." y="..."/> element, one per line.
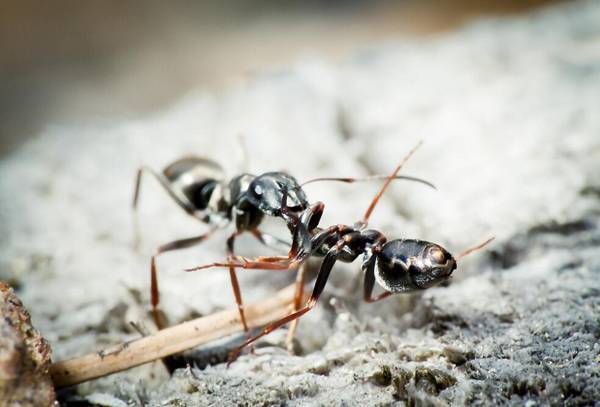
<point x="508" y="111"/>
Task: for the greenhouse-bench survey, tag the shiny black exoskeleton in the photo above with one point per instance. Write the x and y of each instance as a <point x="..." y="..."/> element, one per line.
<point x="253" y="197"/>
<point x="199" y="187"/>
<point x="405" y="265"/>
<point x="398" y="266"/>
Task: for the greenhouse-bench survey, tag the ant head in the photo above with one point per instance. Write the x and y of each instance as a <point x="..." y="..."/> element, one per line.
<point x="407" y="264"/>
<point x="267" y="191"/>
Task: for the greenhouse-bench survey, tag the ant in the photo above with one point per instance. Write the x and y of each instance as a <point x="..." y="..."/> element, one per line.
<point x="199" y="187"/>
<point x="398" y="266"/>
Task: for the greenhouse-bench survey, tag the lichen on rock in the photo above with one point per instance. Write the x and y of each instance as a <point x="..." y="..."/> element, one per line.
<point x="24" y="356"/>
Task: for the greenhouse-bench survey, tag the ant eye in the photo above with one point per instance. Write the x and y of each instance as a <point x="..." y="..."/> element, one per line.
<point x="258" y="190"/>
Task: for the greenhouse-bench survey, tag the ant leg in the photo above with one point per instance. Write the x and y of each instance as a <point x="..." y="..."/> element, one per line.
<point x="294" y="258"/>
<point x="369" y="269"/>
<point x="267" y="263"/>
<point x="175" y="245"/>
<point x="322" y="277"/>
<point x="280" y="262"/>
<point x="381" y="296"/>
<point x="186" y="206"/>
<point x="270" y="240"/>
<point x="234" y="281"/>
<point x="273" y="259"/>
<point x="302" y="247"/>
<point x="365" y="219"/>
<point x="289" y="340"/>
<point x="470" y="250"/>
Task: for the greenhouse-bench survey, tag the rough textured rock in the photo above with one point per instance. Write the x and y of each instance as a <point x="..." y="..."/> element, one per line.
<point x="24" y="356"/>
<point x="508" y="112"/>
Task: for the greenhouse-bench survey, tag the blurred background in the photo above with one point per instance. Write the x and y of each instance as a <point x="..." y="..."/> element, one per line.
<point x="71" y="61"/>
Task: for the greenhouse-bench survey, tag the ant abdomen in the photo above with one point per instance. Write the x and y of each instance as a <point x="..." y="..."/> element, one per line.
<point x="193" y="168"/>
<point x="201" y="193"/>
<point x="196" y="178"/>
<point x="410" y="264"/>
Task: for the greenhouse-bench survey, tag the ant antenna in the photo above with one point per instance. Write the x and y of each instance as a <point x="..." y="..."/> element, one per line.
<point x="387" y="182"/>
<point x="474" y="249"/>
<point x="369" y="178"/>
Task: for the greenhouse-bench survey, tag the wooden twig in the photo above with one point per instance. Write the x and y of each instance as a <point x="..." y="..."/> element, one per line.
<point x="169" y="341"/>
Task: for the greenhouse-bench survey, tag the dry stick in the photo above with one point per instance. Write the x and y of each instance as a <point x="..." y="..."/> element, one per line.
<point x="170" y="341"/>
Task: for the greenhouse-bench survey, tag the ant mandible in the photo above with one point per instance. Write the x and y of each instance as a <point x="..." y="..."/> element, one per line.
<point x="398" y="266"/>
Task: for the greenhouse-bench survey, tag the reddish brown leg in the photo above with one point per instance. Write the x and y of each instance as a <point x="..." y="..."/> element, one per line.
<point x="234" y="281"/>
<point x="186" y="206"/>
<point x="474" y="249"/>
<point x="365" y="219"/>
<point x="294" y="315"/>
<point x="271" y="263"/>
<point x="381" y="296"/>
<point x="369" y="269"/>
<point x="299" y="252"/>
<point x="322" y="277"/>
<point x="272" y="259"/>
<point x="298" y="296"/>
<point x="154" y="292"/>
<point x="270" y="240"/>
